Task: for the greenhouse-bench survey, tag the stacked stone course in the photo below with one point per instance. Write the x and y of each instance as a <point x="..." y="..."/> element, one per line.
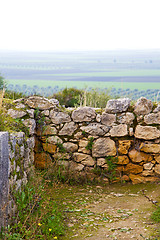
<point x="130" y="133"/>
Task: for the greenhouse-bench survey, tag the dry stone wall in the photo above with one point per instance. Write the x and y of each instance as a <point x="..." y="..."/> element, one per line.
<point x="85" y="139"/>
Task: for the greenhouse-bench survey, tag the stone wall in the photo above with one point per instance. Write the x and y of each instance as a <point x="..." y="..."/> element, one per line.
<point x="85" y="139"/>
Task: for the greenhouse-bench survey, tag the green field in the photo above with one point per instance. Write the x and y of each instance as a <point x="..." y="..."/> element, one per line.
<point x="84" y="84"/>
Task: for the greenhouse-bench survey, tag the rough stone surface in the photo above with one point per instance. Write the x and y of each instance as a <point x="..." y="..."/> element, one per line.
<point x="137" y="157"/>
<point x="143" y="106"/>
<point x="157" y="169"/>
<point x="61" y="156"/>
<point x="70" y="147"/>
<point x="157" y="109"/>
<point x="152" y="118"/>
<point x="38" y="103"/>
<point x="16" y="113"/>
<point x="123" y="160"/>
<point x="59" y="117"/>
<point x="150" y="147"/>
<point x="126" y="118"/>
<point x="146" y="173"/>
<point x="148" y="166"/>
<point x="119" y="130"/>
<point x="31" y="124"/>
<point x="157" y="158"/>
<point x="68" y="129"/>
<point x="101" y="162"/>
<point x="124" y="146"/>
<point x="48" y="130"/>
<point x="84" y="159"/>
<point x="54" y="140"/>
<point x="76" y="166"/>
<point x="95" y="129"/>
<point x="83" y="114"/>
<point x="117" y="105"/>
<point x="133" y="168"/>
<point x="136" y="179"/>
<point x="82" y="146"/>
<point x="103" y="147"/>
<point x="42" y="160"/>
<point x="147" y="132"/>
<point x="48" y="147"/>
<point x="108" y="119"/>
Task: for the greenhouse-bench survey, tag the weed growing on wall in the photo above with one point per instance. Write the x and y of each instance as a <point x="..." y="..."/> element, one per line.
<point x="36" y="217"/>
<point x="111" y="171"/>
<point x="90" y="143"/>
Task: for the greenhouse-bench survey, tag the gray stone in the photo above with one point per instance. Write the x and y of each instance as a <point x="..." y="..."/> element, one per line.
<point x="103" y="147"/>
<point x="98" y="118"/>
<point x="117" y="105"/>
<point x="68" y="129"/>
<point x="54" y="101"/>
<point x="95" y="129"/>
<point x="54" y="140"/>
<point x="143" y="106"/>
<point x="40" y="103"/>
<point x="83" y="114"/>
<point x="108" y="119"/>
<point x="31" y="124"/>
<point x="101" y="162"/>
<point x="84" y="159"/>
<point x="45" y="113"/>
<point x="152" y="118"/>
<point x="4" y="181"/>
<point x="59" y="117"/>
<point x="119" y="131"/>
<point x="126" y="118"/>
<point x="16" y="113"/>
<point x="146" y="132"/>
<point x="20" y="105"/>
<point x="70" y="147"/>
<point x="30" y="112"/>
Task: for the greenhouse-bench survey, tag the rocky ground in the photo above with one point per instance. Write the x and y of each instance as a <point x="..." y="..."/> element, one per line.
<point x="108" y="212"/>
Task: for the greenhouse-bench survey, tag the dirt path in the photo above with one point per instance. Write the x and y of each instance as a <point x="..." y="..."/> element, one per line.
<point x="110" y="212"/>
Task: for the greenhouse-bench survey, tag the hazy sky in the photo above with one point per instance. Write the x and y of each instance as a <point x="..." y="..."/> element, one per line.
<point x="79" y="24"/>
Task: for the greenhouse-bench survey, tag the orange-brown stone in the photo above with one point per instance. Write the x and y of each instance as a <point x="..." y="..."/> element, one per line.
<point x="125" y="178"/>
<point x="150" y="147"/>
<point x="38" y="146"/>
<point x="42" y="160"/>
<point x="48" y="147"/>
<point x="138" y="157"/>
<point x="139" y="179"/>
<point x="124" y="145"/>
<point x="157" y="158"/>
<point x="123" y="160"/>
<point x="133" y="168"/>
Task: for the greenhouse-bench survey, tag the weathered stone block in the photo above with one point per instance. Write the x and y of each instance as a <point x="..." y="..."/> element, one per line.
<point x="124" y="146"/>
<point x="42" y="160"/>
<point x="123" y="160"/>
<point x="147" y="132"/>
<point x="137" y="157"/>
<point x="83" y="114"/>
<point x="150" y="147"/>
<point x="70" y="147"/>
<point x="148" y="166"/>
<point x="37" y="102"/>
<point x="16" y="113"/>
<point x="48" y="147"/>
<point x="76" y="166"/>
<point x="119" y="131"/>
<point x="126" y="118"/>
<point x="101" y="162"/>
<point x="68" y="129"/>
<point x="143" y="106"/>
<point x="103" y="147"/>
<point x="59" y="117"/>
<point x="108" y="119"/>
<point x="82" y="146"/>
<point x="133" y="168"/>
<point x="157" y="169"/>
<point x="31" y="124"/>
<point x="54" y="140"/>
<point x="95" y="129"/>
<point x="157" y="158"/>
<point x="85" y="159"/>
<point x="117" y="105"/>
<point x="152" y="118"/>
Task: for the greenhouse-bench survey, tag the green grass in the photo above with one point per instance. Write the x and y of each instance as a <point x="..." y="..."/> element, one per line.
<point x="85" y="84"/>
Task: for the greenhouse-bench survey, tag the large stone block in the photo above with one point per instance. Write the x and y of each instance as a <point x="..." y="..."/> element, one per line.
<point x="157" y="158"/>
<point x="143" y="106"/>
<point x="108" y="119"/>
<point x="16" y="113"/>
<point x="133" y="168"/>
<point x="31" y="124"/>
<point x="82" y="146"/>
<point x="39" y="103"/>
<point x="124" y="146"/>
<point x="54" y="140"/>
<point x="137" y="157"/>
<point x="70" y="147"/>
<point x="152" y="118"/>
<point x="126" y="118"/>
<point x="117" y="105"/>
<point x="68" y="129"/>
<point x="150" y="147"/>
<point x="119" y="130"/>
<point x="59" y="117"/>
<point x="95" y="129"/>
<point x="42" y="160"/>
<point x="103" y="147"/>
<point x="146" y="132"/>
<point x="123" y="160"/>
<point x="83" y="114"/>
<point x="84" y="159"/>
<point x="157" y="169"/>
<point x="48" y="147"/>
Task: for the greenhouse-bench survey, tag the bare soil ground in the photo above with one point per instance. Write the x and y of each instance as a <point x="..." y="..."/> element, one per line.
<point x="108" y="212"/>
